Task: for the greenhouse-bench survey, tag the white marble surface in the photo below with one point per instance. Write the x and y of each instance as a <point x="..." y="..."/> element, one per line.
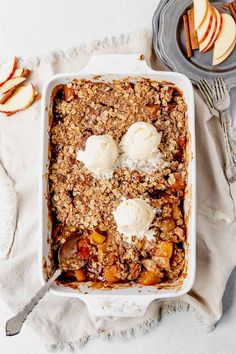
<point x="35" y="27"/>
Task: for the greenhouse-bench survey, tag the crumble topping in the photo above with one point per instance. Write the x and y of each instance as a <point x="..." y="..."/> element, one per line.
<point x="83" y="204"/>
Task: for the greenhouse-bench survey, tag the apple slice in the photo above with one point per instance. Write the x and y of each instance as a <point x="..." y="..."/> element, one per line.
<point x="226" y="37"/>
<point x="200" y="11"/>
<point x="203" y="45"/>
<point x="225" y="56"/>
<point x="21" y="99"/>
<point x="7" y="95"/>
<point x="7" y="70"/>
<point x="22" y="72"/>
<point x="9" y="84"/>
<point x="217" y="31"/>
<point x="205" y="27"/>
<point x="18" y="72"/>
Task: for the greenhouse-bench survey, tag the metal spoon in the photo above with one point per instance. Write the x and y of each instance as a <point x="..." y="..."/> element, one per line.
<point x="68" y="250"/>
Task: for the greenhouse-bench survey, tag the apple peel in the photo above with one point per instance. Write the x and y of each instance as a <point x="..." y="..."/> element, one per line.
<point x="205" y="27"/>
<point x="203" y="45"/>
<point x="217" y="31"/>
<point x="7" y="70"/>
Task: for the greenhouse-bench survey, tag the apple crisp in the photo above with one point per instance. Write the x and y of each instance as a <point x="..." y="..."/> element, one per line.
<point x="84" y="205"/>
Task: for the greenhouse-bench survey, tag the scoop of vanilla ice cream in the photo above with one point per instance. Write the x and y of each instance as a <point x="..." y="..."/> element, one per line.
<point x="100" y="155"/>
<point x="140" y="141"/>
<point x="133" y="217"/>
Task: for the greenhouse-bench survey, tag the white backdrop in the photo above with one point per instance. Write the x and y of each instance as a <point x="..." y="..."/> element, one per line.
<point x="29" y="27"/>
<point x="33" y="27"/>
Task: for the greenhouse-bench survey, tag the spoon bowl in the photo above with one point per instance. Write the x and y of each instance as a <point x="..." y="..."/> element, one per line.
<point x="68" y="255"/>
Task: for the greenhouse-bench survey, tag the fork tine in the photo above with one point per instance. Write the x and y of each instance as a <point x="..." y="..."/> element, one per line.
<point x="220" y="88"/>
<point x="206" y="100"/>
<point x="209" y="105"/>
<point x="223" y="85"/>
<point x="207" y="86"/>
<point x="208" y="89"/>
<point x="205" y="93"/>
<point x="216" y="89"/>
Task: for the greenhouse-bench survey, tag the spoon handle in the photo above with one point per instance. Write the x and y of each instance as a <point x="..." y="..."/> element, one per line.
<point x="13" y="326"/>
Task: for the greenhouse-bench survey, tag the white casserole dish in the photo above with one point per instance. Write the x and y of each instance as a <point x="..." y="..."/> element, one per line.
<point x="132" y="301"/>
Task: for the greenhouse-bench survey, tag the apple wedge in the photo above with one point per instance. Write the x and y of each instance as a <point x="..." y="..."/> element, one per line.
<point x="226" y="38"/>
<point x="203" y="45"/>
<point x="225" y="56"/>
<point x="18" y="72"/>
<point x="205" y="27"/>
<point x="200" y="11"/>
<point x="7" y="70"/>
<point x="21" y="72"/>
<point x="217" y="31"/>
<point x="21" y="99"/>
<point x="7" y="95"/>
<point x="9" y="84"/>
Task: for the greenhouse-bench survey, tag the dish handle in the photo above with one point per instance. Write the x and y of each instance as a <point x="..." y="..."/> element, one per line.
<point x="116" y="64"/>
<point x="118" y="306"/>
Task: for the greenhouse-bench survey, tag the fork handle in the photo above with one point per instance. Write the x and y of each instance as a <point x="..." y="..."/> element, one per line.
<point x="13" y="326"/>
<point x="225" y="115"/>
<point x="230" y="159"/>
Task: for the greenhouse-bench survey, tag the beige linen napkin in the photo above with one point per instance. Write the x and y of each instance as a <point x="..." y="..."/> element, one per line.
<point x="62" y="322"/>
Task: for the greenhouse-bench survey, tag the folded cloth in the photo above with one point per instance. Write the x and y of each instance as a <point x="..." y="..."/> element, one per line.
<point x="62" y="322"/>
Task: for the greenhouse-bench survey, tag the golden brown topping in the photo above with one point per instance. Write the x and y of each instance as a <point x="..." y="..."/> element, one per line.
<point x="83" y="204"/>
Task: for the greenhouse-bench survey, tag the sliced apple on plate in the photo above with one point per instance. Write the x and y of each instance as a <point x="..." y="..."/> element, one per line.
<point x="203" y="45"/>
<point x="225" y="56"/>
<point x="9" y="84"/>
<point x="7" y="70"/>
<point x="217" y="30"/>
<point x="205" y="27"/>
<point x="225" y="41"/>
<point x="21" y="99"/>
<point x="200" y="11"/>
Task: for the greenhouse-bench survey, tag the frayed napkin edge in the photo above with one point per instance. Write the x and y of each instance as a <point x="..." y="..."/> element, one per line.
<point x="139" y="329"/>
<point x="84" y="49"/>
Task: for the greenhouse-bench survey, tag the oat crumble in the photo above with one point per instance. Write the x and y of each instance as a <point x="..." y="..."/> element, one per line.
<point x="83" y="204"/>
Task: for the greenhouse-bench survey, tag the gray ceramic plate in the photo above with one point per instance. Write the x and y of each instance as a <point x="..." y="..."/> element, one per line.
<point x="169" y="45"/>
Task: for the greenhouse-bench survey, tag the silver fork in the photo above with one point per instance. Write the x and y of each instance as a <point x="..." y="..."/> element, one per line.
<point x="221" y="102"/>
<point x="206" y="92"/>
<point x="223" y="107"/>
